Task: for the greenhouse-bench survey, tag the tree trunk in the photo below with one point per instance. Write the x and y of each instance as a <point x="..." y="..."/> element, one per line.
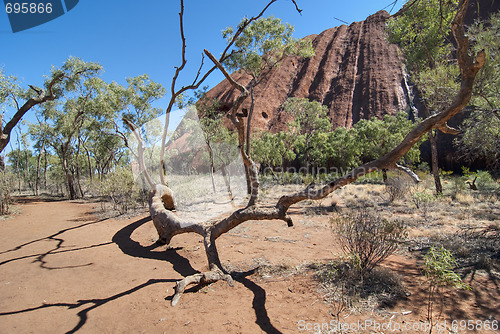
<point x="38" y="164"/>
<point x="434" y="160"/>
<point x="70" y="185"/>
<point x="45" y="163"/>
<point x="384" y="175"/>
<point x="88" y="160"/>
<point x="248" y="138"/>
<point x="212" y="165"/>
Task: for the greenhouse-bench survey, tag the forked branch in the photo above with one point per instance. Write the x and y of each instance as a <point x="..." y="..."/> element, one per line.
<point x="210" y="231"/>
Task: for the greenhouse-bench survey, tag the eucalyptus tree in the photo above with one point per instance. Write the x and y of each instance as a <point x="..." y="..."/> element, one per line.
<point x="39" y="133"/>
<point x="480" y="137"/>
<point x="273" y="149"/>
<point x="68" y="114"/>
<point x="376" y="137"/>
<point x="310" y="119"/>
<point x="260" y="48"/>
<point x="422" y="30"/>
<point x="12" y="96"/>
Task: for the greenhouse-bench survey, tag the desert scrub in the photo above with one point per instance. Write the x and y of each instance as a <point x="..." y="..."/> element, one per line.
<point x="368" y="239"/>
<point x="398" y="187"/>
<point x="119" y="186"/>
<point x="6" y="184"/>
<point x="423" y="201"/>
<point x="438" y="270"/>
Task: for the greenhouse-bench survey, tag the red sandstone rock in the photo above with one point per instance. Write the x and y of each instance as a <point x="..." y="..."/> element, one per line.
<point x="355" y="72"/>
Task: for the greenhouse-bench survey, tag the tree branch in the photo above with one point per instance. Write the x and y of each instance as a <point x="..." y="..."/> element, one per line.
<point x="445" y="128"/>
<point x="43" y="96"/>
<point x="140" y="150"/>
<point x="240" y="87"/>
<point x="409" y="172"/>
<point x="168" y="224"/>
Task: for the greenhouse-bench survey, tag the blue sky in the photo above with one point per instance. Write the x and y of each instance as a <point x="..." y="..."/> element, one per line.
<point x="132" y="37"/>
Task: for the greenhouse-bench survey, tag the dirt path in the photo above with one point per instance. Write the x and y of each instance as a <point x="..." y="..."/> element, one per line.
<point x="63" y="271"/>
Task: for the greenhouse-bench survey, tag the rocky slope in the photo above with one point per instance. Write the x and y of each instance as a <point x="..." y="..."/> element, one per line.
<point x="355" y="72"/>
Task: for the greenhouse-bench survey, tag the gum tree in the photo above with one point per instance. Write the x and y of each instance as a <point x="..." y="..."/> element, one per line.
<point x="260" y="48"/>
<point x="480" y="137"/>
<point x="421" y="29"/>
<point x="22" y="100"/>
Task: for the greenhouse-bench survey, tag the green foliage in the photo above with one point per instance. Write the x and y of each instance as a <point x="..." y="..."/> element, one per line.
<point x="483" y="179"/>
<point x="120" y="187"/>
<point x="310" y="139"/>
<point x="272" y="149"/>
<point x="137" y="98"/>
<point x="343" y="151"/>
<point x="438" y="269"/>
<point x="368" y="239"/>
<point x="309" y="127"/>
<point x="422" y="199"/>
<point x="484" y="36"/>
<point x="309" y="117"/>
<point x="377" y="137"/>
<point x="82" y="124"/>
<point x="263" y="44"/>
<point x="422" y="32"/>
<point x="10" y="91"/>
<point x="6" y="186"/>
<point x="438" y="85"/>
<point x="480" y="139"/>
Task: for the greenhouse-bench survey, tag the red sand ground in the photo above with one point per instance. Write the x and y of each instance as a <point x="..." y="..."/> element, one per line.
<point x="64" y="271"/>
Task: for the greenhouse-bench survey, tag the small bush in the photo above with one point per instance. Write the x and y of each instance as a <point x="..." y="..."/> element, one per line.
<point x="438" y="270"/>
<point x="423" y="201"/>
<point x="6" y="185"/>
<point x="482" y="179"/>
<point x="398" y="187"/>
<point x="368" y="239"/>
<point x="119" y="186"/>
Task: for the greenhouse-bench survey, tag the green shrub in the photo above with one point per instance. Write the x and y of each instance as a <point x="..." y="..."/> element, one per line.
<point x="119" y="186"/>
<point x="438" y="270"/>
<point x="422" y="199"/>
<point x="6" y="184"/>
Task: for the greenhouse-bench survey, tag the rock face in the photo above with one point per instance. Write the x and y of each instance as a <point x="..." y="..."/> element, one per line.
<point x="355" y="72"/>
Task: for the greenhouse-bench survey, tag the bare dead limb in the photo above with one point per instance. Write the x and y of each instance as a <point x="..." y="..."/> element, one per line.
<point x="409" y="172"/>
<point x="237" y="120"/>
<point x="197" y="82"/>
<point x="140" y="150"/>
<point x="168" y="224"/>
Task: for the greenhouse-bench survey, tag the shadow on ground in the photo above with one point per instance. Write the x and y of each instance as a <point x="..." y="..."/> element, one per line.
<point x="123" y="238"/>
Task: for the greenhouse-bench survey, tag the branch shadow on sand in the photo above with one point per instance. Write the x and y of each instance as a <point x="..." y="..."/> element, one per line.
<point x="123" y="238"/>
<point x="91" y="303"/>
<point x="57" y="249"/>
